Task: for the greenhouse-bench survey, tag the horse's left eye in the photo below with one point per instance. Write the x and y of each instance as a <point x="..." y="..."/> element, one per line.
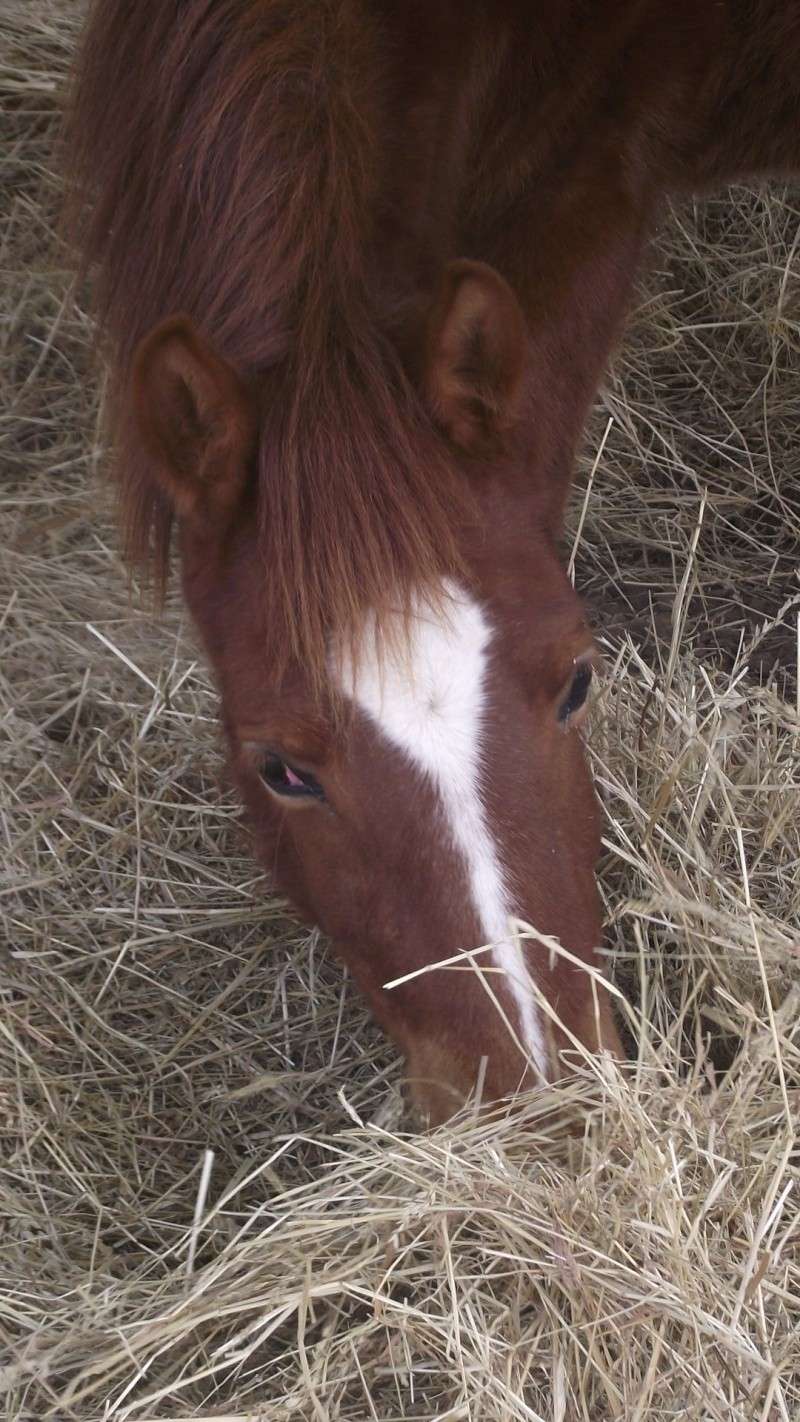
<point x="577" y="694"/>
<point x="285" y="779"/>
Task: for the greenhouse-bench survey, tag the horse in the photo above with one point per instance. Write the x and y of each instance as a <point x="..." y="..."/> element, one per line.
<point x="358" y="269"/>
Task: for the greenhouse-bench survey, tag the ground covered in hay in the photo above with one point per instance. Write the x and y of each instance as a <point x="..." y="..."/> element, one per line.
<point x="210" y="1205"/>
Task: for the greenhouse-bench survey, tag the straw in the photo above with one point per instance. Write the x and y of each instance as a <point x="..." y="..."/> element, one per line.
<point x="160" y="1012"/>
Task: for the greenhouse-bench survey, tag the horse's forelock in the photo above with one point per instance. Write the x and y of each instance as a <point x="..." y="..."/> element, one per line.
<point x="223" y="167"/>
<point x="359" y="503"/>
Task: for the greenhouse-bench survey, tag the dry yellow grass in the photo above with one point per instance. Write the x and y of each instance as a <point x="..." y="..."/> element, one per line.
<point x="210" y="1205"/>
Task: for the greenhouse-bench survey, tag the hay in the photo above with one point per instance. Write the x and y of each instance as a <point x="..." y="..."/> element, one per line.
<point x="211" y="1204"/>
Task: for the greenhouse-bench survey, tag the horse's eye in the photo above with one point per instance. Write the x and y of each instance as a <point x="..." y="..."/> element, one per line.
<point x="577" y="694"/>
<point x="284" y="779"/>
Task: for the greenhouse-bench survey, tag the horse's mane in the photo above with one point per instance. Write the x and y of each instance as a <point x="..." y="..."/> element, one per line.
<point x="226" y="159"/>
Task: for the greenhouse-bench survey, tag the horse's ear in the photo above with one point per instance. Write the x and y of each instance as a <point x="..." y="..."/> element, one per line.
<point x="476" y="355"/>
<point x="196" y="418"/>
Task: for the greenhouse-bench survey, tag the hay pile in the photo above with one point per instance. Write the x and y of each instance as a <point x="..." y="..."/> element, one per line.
<point x="209" y="1205"/>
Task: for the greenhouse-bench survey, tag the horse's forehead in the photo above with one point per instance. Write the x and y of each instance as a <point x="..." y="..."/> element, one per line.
<point x="422" y="680"/>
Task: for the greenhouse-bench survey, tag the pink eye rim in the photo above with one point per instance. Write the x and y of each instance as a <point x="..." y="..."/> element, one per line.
<point x="288" y="780"/>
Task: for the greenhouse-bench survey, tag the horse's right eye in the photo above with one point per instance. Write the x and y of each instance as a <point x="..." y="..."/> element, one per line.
<point x="577" y="694"/>
<point x="286" y="780"/>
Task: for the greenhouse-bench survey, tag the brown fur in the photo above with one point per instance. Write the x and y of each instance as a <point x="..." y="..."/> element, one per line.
<point x="359" y="266"/>
<point x="236" y="180"/>
<point x="291" y="176"/>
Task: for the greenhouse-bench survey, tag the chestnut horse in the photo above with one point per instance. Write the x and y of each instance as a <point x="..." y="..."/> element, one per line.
<point x="359" y="267"/>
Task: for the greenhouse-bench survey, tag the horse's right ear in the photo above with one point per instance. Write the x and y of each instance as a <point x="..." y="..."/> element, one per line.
<point x="197" y="420"/>
<point x="477" y="346"/>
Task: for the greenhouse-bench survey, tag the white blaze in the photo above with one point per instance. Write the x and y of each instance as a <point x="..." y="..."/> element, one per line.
<point x="427" y="695"/>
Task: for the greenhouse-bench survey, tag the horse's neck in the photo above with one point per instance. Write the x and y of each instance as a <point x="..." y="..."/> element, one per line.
<point x="545" y="142"/>
<point x="710" y="92"/>
<point x="749" y="124"/>
<point x="623" y="103"/>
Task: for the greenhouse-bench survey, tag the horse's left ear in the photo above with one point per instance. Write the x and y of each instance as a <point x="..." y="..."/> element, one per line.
<point x="197" y="420"/>
<point x="476" y="355"/>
